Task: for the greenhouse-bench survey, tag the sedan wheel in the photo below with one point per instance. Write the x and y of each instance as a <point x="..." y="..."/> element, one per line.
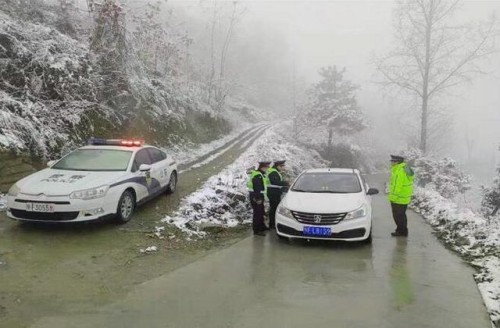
<point x="126" y="207"/>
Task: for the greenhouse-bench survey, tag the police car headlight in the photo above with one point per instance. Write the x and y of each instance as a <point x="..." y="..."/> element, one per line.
<point x="90" y="193"/>
<point x="285" y="211"/>
<point x="14" y="190"/>
<point x="359" y="213"/>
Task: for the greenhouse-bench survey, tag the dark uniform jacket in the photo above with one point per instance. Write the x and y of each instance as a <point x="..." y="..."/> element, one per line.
<point x="275" y="180"/>
<point x="258" y="187"/>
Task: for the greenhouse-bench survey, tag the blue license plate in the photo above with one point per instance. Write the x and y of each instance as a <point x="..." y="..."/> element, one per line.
<point x="317" y="231"/>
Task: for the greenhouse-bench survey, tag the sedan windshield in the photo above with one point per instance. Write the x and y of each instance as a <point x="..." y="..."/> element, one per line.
<point x="95" y="160"/>
<point x="327" y="182"/>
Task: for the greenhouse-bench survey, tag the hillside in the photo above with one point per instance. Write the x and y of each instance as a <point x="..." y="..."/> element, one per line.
<point x="58" y="89"/>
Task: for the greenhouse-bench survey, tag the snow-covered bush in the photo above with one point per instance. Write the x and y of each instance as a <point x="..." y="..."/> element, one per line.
<point x="443" y="175"/>
<point x="491" y="197"/>
<point x="49" y="91"/>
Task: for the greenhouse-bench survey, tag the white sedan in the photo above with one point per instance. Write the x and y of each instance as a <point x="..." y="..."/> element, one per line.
<point x="103" y="179"/>
<point x="330" y="204"/>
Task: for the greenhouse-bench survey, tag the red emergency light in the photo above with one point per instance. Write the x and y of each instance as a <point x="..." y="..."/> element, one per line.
<point x="136" y="143"/>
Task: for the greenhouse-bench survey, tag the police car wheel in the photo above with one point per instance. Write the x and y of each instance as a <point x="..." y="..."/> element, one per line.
<point x="126" y="207"/>
<point x="172" y="184"/>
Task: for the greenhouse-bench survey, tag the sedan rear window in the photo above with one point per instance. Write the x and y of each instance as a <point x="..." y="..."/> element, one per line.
<point x="328" y="182"/>
<point x="95" y="160"/>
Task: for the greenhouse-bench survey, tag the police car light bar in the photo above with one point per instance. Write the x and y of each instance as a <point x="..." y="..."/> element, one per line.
<point x="115" y="142"/>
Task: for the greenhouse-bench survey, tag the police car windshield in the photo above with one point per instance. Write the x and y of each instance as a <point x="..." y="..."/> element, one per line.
<point x="328" y="182"/>
<point x="95" y="160"/>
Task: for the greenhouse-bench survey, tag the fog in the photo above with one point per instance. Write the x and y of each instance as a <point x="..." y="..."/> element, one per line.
<point x="273" y="40"/>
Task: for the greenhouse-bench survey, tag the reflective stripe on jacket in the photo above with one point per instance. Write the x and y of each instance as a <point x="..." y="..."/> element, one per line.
<point x="250" y="183"/>
<point x="401" y="185"/>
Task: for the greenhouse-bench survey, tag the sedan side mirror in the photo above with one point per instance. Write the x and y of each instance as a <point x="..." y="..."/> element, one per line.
<point x="372" y="191"/>
<point x="145" y="168"/>
<point x="50" y="163"/>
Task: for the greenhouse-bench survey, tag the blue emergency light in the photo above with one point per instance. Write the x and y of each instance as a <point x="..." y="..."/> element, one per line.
<point x="115" y="142"/>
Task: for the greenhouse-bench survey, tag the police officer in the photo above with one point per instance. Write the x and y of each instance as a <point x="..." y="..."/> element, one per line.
<point x="400" y="192"/>
<point x="274" y="190"/>
<point x="257" y="186"/>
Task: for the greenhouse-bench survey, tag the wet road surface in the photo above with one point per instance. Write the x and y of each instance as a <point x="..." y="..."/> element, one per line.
<point x="261" y="282"/>
<point x="52" y="269"/>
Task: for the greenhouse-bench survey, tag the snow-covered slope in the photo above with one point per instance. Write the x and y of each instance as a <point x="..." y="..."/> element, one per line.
<point x="222" y="199"/>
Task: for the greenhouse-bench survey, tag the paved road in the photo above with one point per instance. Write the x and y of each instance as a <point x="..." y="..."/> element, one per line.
<point x="260" y="282"/>
<point x="58" y="269"/>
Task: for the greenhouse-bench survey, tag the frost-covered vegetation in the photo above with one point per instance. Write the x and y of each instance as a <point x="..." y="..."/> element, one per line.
<point x="48" y="90"/>
<point x="330" y="119"/>
<point x="442" y="175"/>
<point x="109" y="71"/>
<point x="491" y="198"/>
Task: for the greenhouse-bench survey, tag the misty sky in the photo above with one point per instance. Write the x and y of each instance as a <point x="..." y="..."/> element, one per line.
<point x="348" y="34"/>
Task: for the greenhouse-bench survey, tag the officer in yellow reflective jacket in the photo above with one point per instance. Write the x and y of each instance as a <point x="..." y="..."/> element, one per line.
<point x="257" y="188"/>
<point x="400" y="192"/>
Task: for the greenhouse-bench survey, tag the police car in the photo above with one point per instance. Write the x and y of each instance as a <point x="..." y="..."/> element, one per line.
<point x="104" y="178"/>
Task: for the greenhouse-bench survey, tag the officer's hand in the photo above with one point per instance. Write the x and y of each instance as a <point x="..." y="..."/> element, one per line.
<point x="259" y="201"/>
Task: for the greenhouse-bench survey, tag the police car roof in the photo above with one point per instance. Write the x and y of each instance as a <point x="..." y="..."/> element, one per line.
<point x="129" y="148"/>
<point x="332" y="170"/>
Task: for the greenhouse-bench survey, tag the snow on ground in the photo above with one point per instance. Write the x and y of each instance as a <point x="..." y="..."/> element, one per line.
<point x="190" y="153"/>
<point x="222" y="200"/>
<point x="476" y="238"/>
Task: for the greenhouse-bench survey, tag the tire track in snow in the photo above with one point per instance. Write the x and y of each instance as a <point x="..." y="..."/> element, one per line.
<point x="217" y="151"/>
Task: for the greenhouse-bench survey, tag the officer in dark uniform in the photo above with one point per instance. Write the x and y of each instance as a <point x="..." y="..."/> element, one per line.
<point x="257" y="185"/>
<point x="274" y="190"/>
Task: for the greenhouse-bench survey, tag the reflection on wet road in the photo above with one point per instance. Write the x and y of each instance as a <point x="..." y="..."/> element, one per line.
<point x="260" y="282"/>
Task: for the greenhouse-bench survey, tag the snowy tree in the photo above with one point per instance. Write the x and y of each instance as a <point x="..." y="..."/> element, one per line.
<point x="108" y="44"/>
<point x="491" y="196"/>
<point x="433" y="54"/>
<point x="332" y="106"/>
<point x="159" y="47"/>
<point x="217" y="82"/>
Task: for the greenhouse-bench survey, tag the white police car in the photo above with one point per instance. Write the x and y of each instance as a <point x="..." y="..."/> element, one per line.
<point x="104" y="178"/>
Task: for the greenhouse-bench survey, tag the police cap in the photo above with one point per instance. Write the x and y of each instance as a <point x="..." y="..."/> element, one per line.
<point x="280" y="162"/>
<point x="397" y="158"/>
<point x="264" y="163"/>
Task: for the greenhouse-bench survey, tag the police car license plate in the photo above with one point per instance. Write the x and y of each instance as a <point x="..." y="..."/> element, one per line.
<point x="316" y="231"/>
<point x="36" y="207"/>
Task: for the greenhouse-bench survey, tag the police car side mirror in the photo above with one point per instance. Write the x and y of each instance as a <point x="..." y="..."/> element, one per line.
<point x="145" y="168"/>
<point x="50" y="163"/>
<point x="372" y="191"/>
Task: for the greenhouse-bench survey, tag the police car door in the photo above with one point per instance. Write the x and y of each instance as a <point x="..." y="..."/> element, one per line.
<point x="145" y="180"/>
<point x="160" y="166"/>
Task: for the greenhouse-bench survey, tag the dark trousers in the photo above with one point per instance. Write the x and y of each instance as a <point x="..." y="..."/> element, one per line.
<point x="274" y="201"/>
<point x="399" y="215"/>
<point x="258" y="214"/>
